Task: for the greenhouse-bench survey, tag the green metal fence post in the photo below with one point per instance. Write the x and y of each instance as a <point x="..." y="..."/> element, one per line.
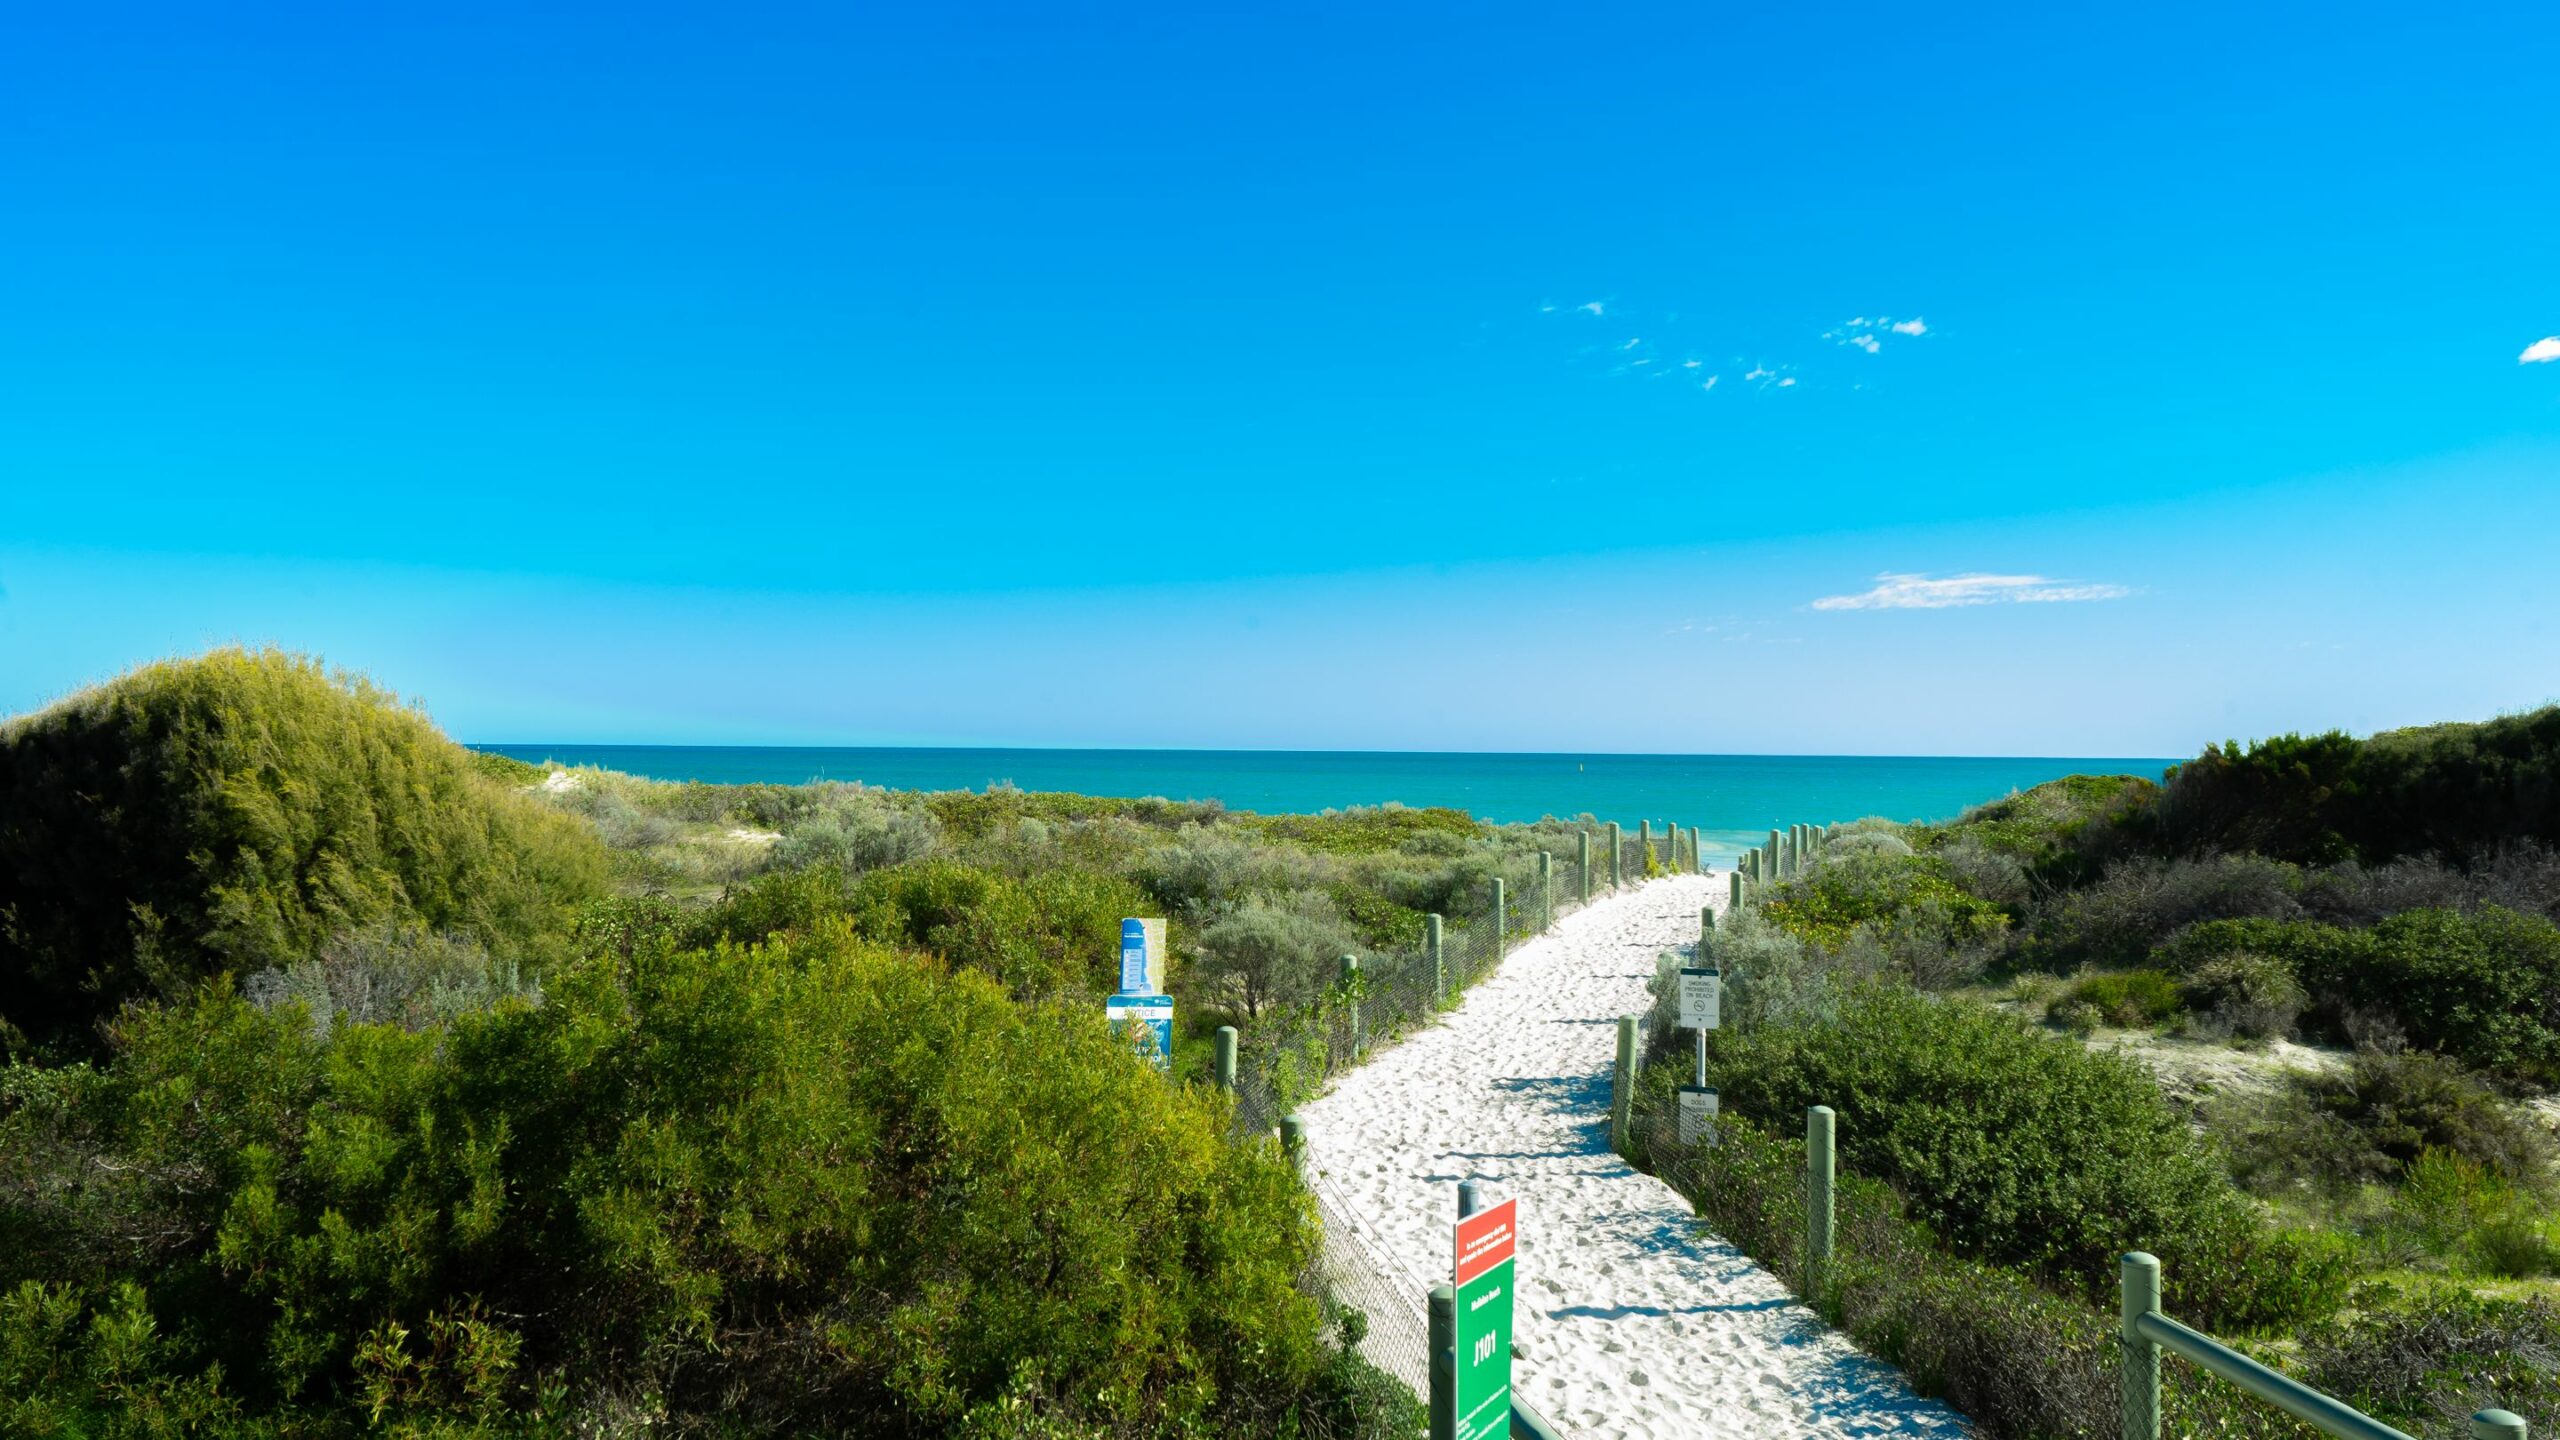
<point x="1351" y="993"/>
<point x="1546" y="892"/>
<point x="2138" y="1294"/>
<point x="1644" y="842"/>
<point x="2497" y="1425"/>
<point x="1501" y="923"/>
<point x="1585" y="867"/>
<point x="1820" y="1166"/>
<point x="1733" y="892"/>
<point x="1437" y="944"/>
<point x="1444" y="1363"/>
<point x="1775" y="865"/>
<point x="1293" y="1137"/>
<point x="1225" y="1052"/>
<point x="1706" y="931"/>
<point x="1622" y="1085"/>
<point x="1617" y="856"/>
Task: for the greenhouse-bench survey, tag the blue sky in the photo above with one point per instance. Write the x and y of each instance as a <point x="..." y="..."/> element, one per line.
<point x="1397" y="377"/>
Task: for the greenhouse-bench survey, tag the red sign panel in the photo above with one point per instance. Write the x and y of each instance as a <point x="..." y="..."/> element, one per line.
<point x="1485" y="1240"/>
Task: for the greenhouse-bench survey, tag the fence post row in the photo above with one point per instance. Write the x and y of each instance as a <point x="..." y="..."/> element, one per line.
<point x="1501" y="921"/>
<point x="1622" y="1084"/>
<point x="1351" y="997"/>
<point x="1546" y="892"/>
<point x="1435" y="940"/>
<point x="1820" y="1166"/>
<point x="1644" y="842"/>
<point x="1617" y="856"/>
<point x="1586" y="867"/>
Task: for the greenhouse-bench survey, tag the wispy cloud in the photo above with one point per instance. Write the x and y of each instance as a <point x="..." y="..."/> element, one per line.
<point x="1924" y="592"/>
<point x="1867" y="332"/>
<point x="2541" y="352"/>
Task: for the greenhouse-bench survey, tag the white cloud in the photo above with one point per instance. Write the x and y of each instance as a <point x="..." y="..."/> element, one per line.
<point x="1631" y="344"/>
<point x="1758" y="372"/>
<point x="1922" y="592"/>
<point x="2541" y="352"/>
<point x="1783" y="384"/>
<point x="1868" y="335"/>
<point x="1711" y="382"/>
<point x="1593" y="307"/>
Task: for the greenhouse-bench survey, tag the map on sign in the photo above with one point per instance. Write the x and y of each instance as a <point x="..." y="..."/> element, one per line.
<point x="1698" y="1106"/>
<point x="1482" y="1277"/>
<point x="1701" y="998"/>
<point x="1151" y="1016"/>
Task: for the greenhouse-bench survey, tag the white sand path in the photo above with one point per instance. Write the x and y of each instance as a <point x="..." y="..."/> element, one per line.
<point x="1631" y="1323"/>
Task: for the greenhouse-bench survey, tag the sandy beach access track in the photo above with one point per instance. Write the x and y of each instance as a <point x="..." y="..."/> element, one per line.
<point x="1632" y="1323"/>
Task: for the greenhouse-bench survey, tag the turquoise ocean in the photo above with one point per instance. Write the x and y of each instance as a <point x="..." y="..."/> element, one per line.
<point x="1734" y="799"/>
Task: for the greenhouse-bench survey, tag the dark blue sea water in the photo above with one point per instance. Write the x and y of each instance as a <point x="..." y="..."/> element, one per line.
<point x="1734" y="798"/>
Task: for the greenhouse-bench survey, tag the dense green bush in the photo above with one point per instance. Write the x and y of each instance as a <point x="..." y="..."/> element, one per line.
<point x="2126" y="999"/>
<point x="2140" y="901"/>
<point x="2382" y="1114"/>
<point x="2019" y="1361"/>
<point x="2026" y="1149"/>
<point x="1839" y="895"/>
<point x="2458" y="789"/>
<point x="233" y="812"/>
<point x="2429" y="1361"/>
<point x="2483" y="987"/>
<point x="807" y="1187"/>
<point x="2254" y="996"/>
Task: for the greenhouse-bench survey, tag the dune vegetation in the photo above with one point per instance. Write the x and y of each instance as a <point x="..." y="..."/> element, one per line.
<point x="2288" y="1020"/>
<point x="361" y="1083"/>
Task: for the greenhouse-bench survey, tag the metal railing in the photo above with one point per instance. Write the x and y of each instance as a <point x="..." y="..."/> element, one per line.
<point x="2147" y="1332"/>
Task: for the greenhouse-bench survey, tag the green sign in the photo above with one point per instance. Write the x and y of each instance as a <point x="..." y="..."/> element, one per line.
<point x="1486" y="1241"/>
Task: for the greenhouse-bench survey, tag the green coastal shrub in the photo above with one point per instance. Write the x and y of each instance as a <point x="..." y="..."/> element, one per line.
<point x="810" y="1187"/>
<point x="2427" y="1362"/>
<point x="2456" y="789"/>
<point x="2140" y="901"/>
<point x="2126" y="999"/>
<point x="1046" y="933"/>
<point x="2020" y="1361"/>
<point x="233" y="812"/>
<point x="2483" y="986"/>
<point x="2245" y="994"/>
<point x="1909" y="892"/>
<point x="2026" y="1149"/>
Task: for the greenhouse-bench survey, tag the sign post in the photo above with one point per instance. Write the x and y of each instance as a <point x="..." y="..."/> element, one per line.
<point x="1486" y="1242"/>
<point x="1702" y="1010"/>
<point x="1151" y="1016"/>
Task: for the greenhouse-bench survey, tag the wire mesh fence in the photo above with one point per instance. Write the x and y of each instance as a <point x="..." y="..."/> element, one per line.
<point x="1355" y="1272"/>
<point x="1287" y="1055"/>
